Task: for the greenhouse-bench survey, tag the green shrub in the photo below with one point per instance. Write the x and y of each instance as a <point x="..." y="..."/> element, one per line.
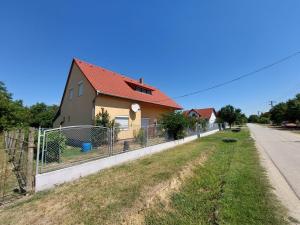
<point x="56" y="145"/>
<point x="100" y="135"/>
<point x="175" y="124"/>
<point x="140" y="137"/>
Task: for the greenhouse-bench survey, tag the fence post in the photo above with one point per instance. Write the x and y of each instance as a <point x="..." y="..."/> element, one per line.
<point x="5" y="139"/>
<point x="11" y="135"/>
<point x="29" y="180"/>
<point x="16" y="144"/>
<point x="21" y="143"/>
<point x="38" y="151"/>
<point x="13" y="144"/>
<point x="112" y="140"/>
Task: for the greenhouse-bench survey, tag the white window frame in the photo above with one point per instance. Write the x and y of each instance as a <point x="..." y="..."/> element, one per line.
<point x="80" y="88"/>
<point x="71" y="90"/>
<point x="123" y="117"/>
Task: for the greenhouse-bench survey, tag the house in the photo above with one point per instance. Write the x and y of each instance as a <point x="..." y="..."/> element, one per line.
<point x="91" y="89"/>
<point x="207" y="113"/>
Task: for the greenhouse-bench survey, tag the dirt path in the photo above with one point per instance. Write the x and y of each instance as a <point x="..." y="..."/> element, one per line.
<point x="160" y="193"/>
<point x="280" y="155"/>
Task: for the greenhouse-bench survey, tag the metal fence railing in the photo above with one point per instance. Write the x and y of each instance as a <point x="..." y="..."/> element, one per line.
<point x="65" y="146"/>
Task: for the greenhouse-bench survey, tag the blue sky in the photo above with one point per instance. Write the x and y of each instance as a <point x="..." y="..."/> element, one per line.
<point x="177" y="46"/>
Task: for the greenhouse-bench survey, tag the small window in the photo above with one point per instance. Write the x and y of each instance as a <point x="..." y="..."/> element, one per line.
<point x="69" y="119"/>
<point x="71" y="93"/>
<point x="80" y="88"/>
<point x="143" y="90"/>
<point x="123" y="122"/>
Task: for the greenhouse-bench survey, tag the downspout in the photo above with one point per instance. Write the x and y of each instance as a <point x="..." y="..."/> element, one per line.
<point x="94" y="106"/>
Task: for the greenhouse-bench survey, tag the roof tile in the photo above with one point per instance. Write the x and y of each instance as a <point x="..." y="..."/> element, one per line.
<point x="111" y="83"/>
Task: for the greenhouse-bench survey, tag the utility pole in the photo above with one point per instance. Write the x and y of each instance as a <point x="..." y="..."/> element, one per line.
<point x="271" y="103"/>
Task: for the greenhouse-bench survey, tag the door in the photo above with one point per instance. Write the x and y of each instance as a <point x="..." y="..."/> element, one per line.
<point x="145" y="122"/>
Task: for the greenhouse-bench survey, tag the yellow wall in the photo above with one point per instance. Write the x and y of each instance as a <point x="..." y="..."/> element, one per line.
<point x="153" y="112"/>
<point x="121" y="107"/>
<point x="80" y="109"/>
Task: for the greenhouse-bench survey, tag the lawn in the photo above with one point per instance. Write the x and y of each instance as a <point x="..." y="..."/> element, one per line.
<point x="202" y="182"/>
<point x="74" y="155"/>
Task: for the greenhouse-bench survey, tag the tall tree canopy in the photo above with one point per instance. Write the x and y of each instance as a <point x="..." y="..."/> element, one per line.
<point x="14" y="114"/>
<point x="230" y="115"/>
<point x="286" y="111"/>
<point x="42" y="114"/>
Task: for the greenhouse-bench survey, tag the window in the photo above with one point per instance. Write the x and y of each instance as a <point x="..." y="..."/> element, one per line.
<point x="145" y="122"/>
<point x="143" y="90"/>
<point x="69" y="119"/>
<point x="71" y="93"/>
<point x="123" y="121"/>
<point x="80" y="88"/>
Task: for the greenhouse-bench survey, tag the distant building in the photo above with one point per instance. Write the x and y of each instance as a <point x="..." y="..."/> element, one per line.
<point x="207" y="113"/>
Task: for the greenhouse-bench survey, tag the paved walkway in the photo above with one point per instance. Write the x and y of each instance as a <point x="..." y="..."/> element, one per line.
<point x="280" y="153"/>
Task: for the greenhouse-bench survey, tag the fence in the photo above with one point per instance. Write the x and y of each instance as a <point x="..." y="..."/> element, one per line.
<point x="66" y="146"/>
<point x="16" y="156"/>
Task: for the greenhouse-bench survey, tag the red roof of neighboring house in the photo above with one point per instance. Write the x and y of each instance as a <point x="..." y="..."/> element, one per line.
<point x="204" y="113"/>
<point x="114" y="84"/>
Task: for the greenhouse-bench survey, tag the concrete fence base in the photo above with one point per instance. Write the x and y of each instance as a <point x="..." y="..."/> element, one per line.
<point x="51" y="179"/>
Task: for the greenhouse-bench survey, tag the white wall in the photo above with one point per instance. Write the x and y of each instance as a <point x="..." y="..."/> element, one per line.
<point x="212" y="119"/>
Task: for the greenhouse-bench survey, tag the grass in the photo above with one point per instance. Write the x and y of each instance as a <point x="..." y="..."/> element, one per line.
<point x="231" y="189"/>
<point x="228" y="188"/>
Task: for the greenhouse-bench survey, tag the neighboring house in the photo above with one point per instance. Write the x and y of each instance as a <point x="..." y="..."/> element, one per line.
<point x="208" y="113"/>
<point x="91" y="89"/>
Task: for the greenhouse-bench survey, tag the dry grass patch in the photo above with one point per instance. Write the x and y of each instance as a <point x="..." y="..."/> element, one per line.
<point x="106" y="197"/>
<point x="160" y="193"/>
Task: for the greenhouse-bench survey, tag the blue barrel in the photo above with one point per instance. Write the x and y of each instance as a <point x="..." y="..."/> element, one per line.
<point x="86" y="146"/>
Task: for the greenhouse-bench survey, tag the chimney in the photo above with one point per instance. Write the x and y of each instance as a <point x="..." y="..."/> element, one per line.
<point x="141" y="80"/>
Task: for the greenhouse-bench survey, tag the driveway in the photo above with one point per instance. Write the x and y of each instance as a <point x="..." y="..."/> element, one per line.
<point x="280" y="153"/>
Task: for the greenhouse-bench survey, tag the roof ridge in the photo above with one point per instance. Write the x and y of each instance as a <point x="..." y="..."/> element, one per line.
<point x="114" y="73"/>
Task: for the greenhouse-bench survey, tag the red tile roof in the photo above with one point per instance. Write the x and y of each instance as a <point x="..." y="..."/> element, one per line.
<point x="114" y="84"/>
<point x="204" y="113"/>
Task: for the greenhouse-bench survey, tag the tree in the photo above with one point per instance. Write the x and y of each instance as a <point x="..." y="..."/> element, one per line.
<point x="42" y="114"/>
<point x="279" y="113"/>
<point x="241" y="118"/>
<point x="100" y="135"/>
<point x="175" y="124"/>
<point x="253" y="119"/>
<point x="293" y="109"/>
<point x="229" y="114"/>
<point x="12" y="113"/>
<point x="103" y="119"/>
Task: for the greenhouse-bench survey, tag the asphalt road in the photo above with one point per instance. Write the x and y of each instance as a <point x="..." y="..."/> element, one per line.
<point x="283" y="149"/>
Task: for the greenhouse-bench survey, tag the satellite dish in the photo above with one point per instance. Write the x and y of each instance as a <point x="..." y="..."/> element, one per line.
<point x="135" y="107"/>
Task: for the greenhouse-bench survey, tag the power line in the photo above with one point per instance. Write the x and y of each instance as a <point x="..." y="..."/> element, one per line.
<point x="237" y="78"/>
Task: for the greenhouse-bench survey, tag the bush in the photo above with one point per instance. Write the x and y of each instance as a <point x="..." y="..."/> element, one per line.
<point x="56" y="145"/>
<point x="100" y="135"/>
<point x="59" y="138"/>
<point x="140" y="137"/>
<point x="264" y="120"/>
<point x="175" y="124"/>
